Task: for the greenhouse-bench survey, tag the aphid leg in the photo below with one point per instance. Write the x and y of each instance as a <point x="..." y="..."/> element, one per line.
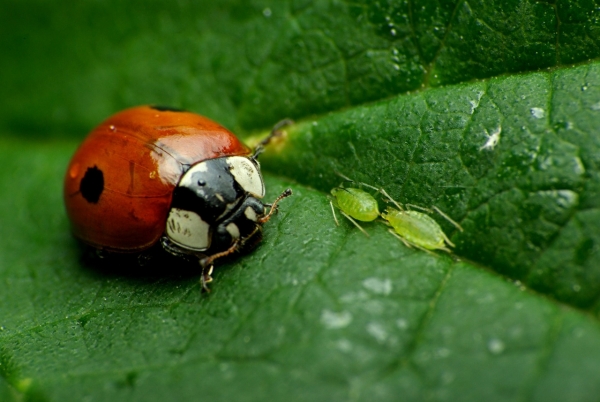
<point x="447" y="240"/>
<point x="446" y="249"/>
<point x="439" y="211"/>
<point x="400" y="238"/>
<point x="411" y="244"/>
<point x="355" y="223"/>
<point x="275" y="132"/>
<point x="283" y="195"/>
<point x="333" y="212"/>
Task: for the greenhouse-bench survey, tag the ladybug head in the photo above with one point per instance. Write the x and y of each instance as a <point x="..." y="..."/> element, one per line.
<point x="210" y="193"/>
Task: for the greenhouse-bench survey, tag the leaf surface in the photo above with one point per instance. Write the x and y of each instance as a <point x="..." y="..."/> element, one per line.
<point x="445" y="103"/>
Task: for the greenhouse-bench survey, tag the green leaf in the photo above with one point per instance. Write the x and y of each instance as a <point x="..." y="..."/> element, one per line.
<point x="513" y="159"/>
<point x="316" y="312"/>
<point x="250" y="63"/>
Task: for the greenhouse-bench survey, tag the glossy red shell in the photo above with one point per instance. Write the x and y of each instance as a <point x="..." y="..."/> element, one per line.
<point x="141" y="152"/>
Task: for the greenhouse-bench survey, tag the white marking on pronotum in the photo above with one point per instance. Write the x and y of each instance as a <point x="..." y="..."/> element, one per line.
<point x="233" y="230"/>
<point x="250" y="214"/>
<point x="492" y="139"/>
<point x="247" y="175"/>
<point x="188" y="230"/>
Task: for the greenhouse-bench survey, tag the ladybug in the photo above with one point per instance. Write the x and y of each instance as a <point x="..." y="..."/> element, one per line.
<point x="160" y="177"/>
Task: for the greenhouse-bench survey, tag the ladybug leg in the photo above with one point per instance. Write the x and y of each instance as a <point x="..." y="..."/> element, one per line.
<point x="207" y="264"/>
<point x="206" y="278"/>
<point x="208" y="261"/>
<point x="283" y="195"/>
<point x="275" y="132"/>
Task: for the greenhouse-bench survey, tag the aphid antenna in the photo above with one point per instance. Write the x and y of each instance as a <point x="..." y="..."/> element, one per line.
<point x="389" y="197"/>
<point x="360" y="183"/>
<point x="409" y="206"/>
<point x="368" y="185"/>
<point x="346" y="178"/>
<point x="439" y="211"/>
<point x="456" y="225"/>
<point x="378" y="189"/>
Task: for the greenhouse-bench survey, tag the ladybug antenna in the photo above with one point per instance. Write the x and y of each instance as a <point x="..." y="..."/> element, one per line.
<point x="275" y="132"/>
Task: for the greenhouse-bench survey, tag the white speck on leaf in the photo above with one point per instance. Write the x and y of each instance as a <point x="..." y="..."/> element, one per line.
<point x="267" y="12"/>
<point x="443" y="352"/>
<point x="344" y="345"/>
<point x="496" y="346"/>
<point x="447" y="377"/>
<point x="379" y="286"/>
<point x="565" y="198"/>
<point x="377" y="331"/>
<point x="332" y="320"/>
<point x="355" y="297"/>
<point x="492" y="140"/>
<point x="538" y="112"/>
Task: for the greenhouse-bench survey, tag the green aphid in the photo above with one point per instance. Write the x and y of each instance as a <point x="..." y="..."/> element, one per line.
<point x="355" y="204"/>
<point x="415" y="228"/>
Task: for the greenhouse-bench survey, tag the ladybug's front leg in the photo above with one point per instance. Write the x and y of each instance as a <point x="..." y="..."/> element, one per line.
<point x="205" y="278"/>
<point x="206" y="262"/>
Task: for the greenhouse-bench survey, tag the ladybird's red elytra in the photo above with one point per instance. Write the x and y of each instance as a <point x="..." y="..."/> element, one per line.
<point x="155" y="175"/>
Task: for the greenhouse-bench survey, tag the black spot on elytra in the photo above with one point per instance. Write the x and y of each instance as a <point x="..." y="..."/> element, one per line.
<point x="166" y="108"/>
<point x="92" y="184"/>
